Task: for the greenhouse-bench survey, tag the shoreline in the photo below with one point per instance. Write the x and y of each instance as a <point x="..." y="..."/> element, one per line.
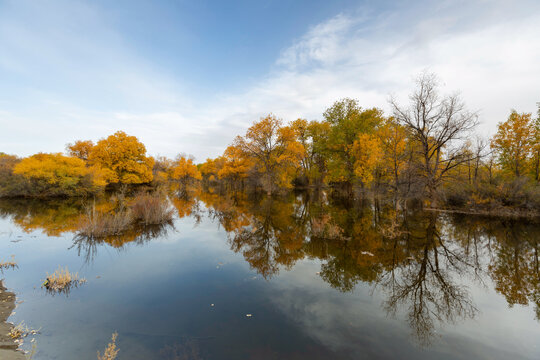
<point x="8" y="348"/>
<point x="502" y="213"/>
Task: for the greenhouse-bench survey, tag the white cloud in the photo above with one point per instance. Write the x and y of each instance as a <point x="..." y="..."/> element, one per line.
<point x="488" y="50"/>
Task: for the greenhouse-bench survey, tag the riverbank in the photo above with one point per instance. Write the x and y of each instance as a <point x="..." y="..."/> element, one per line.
<point x="496" y="213"/>
<point x="8" y="348"/>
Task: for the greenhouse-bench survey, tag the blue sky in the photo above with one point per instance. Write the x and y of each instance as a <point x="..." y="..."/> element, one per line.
<point x="187" y="76"/>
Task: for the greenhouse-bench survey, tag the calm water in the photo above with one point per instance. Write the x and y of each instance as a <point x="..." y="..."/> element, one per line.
<point x="321" y="280"/>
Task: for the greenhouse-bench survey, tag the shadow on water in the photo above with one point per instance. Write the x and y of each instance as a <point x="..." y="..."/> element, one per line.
<point x="417" y="260"/>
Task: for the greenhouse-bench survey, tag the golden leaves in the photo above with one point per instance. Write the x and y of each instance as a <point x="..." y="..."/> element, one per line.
<point x="185" y="169"/>
<point x="123" y="159"/>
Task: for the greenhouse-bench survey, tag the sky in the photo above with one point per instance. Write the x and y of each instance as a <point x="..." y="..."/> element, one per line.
<point x="187" y="76"/>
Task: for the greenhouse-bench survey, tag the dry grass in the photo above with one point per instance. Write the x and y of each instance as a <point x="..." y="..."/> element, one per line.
<point x="20" y="331"/>
<point x="111" y="351"/>
<point x="62" y="281"/>
<point x="151" y="210"/>
<point x="98" y="225"/>
<point x="145" y="210"/>
<point x="4" y="265"/>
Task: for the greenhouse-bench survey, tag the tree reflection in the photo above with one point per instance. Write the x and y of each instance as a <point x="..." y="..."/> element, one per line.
<point x="410" y="256"/>
<point x="426" y="283"/>
<point x="57" y="217"/>
<point x="54" y="217"/>
<point x="421" y="262"/>
<point x="264" y="230"/>
<point x="87" y="247"/>
<point x="515" y="268"/>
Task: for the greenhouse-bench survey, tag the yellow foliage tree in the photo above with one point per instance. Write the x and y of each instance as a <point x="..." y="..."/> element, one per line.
<point x="274" y="150"/>
<point x="513" y="141"/>
<point x="393" y="141"/>
<point x="367" y="153"/>
<point x="80" y="149"/>
<point x="185" y="172"/>
<point x="211" y="168"/>
<point x="236" y="165"/>
<point x="162" y="169"/>
<point x="123" y="159"/>
<point x="56" y="174"/>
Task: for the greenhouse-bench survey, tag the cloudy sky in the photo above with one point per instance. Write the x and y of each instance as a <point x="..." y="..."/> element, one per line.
<point x="189" y="75"/>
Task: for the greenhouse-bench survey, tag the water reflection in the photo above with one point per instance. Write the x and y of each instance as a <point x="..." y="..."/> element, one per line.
<point x="418" y="260"/>
<point x="54" y="217"/>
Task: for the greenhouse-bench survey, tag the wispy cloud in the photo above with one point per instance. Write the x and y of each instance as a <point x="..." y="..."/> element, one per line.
<point x="71" y="74"/>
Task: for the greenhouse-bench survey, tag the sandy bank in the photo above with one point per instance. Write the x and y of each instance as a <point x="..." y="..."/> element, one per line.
<point x="7" y="346"/>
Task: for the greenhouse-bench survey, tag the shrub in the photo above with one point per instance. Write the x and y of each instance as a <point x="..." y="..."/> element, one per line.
<point x="151" y="210"/>
<point x="99" y="225"/>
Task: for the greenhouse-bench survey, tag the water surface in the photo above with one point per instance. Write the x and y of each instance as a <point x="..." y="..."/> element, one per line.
<point x="320" y="279"/>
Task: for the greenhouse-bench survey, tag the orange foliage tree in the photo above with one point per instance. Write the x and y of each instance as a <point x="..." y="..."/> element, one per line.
<point x="236" y="165"/>
<point x="80" y="149"/>
<point x="123" y="159"/>
<point x="185" y="172"/>
<point x="210" y="168"/>
<point x="274" y="151"/>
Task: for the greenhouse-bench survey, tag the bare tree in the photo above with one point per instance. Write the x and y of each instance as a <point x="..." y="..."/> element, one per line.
<point x="481" y="150"/>
<point x="439" y="124"/>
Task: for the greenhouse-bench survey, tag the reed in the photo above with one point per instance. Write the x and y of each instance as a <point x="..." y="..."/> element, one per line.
<point x="151" y="210"/>
<point x="62" y="280"/>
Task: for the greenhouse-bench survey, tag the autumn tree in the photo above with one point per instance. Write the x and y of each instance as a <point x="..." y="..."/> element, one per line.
<point x="185" y="172"/>
<point x="274" y="150"/>
<point x="300" y="128"/>
<point x="56" y="174"/>
<point x="10" y="184"/>
<point x="80" y="149"/>
<point x="211" y="168"/>
<point x="162" y="169"/>
<point x="393" y="140"/>
<point x="512" y="142"/>
<point x="477" y="152"/>
<point x="123" y="159"/>
<point x="236" y="165"/>
<point x="535" y="147"/>
<point x="312" y="136"/>
<point x="347" y="120"/>
<point x="367" y="153"/>
<point x="439" y="124"/>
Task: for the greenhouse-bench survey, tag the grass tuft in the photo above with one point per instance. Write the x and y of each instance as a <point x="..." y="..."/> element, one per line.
<point x="111" y="351"/>
<point x="4" y="265"/>
<point x="20" y="331"/>
<point x="61" y="281"/>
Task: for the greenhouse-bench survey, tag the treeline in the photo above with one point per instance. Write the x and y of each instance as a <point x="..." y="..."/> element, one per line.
<point x="425" y="149"/>
<point x="113" y="163"/>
